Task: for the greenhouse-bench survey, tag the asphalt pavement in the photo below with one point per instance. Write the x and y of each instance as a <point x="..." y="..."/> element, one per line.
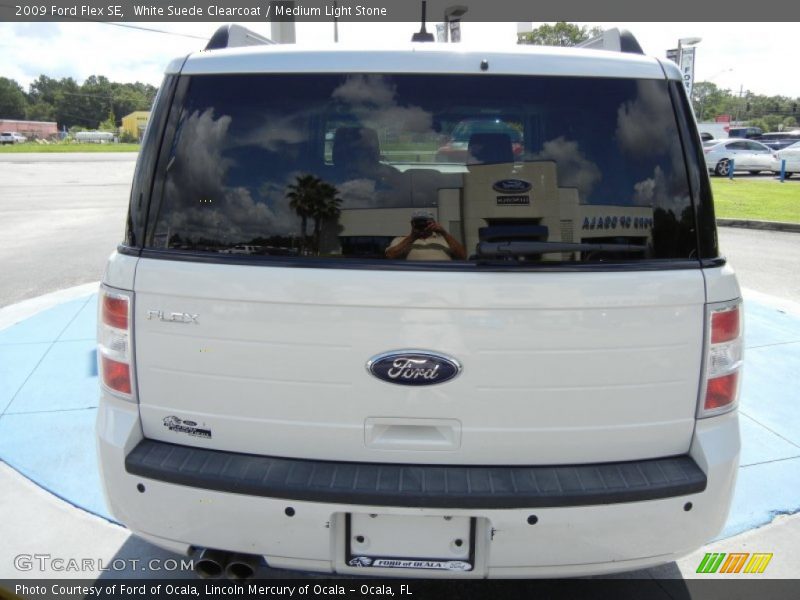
<point x="61" y="215"/>
<point x="766" y="261"/>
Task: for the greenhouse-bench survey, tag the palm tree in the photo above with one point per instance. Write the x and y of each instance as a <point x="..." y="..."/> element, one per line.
<point x="326" y="208"/>
<point x="301" y="197"/>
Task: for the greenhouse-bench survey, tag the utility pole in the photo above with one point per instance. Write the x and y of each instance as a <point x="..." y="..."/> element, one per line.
<point x="739" y="103"/>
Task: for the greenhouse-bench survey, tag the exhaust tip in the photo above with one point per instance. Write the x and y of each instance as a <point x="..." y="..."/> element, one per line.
<point x="211" y="563"/>
<point x="242" y="566"/>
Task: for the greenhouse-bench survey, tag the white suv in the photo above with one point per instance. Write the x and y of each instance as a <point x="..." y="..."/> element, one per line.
<point x="362" y="356"/>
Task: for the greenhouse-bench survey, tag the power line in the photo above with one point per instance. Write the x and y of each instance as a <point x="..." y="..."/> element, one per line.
<point x="88" y="95"/>
<point x="153" y="30"/>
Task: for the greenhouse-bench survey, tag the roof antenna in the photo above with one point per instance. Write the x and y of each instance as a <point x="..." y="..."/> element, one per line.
<point x="422" y="35"/>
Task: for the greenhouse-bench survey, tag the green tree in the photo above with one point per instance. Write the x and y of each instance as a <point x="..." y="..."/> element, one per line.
<point x="96" y="100"/>
<point x="110" y="124"/>
<point x="12" y="99"/>
<point x="127" y="138"/>
<point x="708" y="100"/>
<point x="773" y="122"/>
<point x="69" y="104"/>
<point x="312" y="198"/>
<point x="41" y="111"/>
<point x="770" y="113"/>
<point x="87" y="104"/>
<point x="129" y="97"/>
<point x="44" y="89"/>
<point x="61" y="95"/>
<point x="325" y="207"/>
<point x="559" y="34"/>
<point x="301" y="196"/>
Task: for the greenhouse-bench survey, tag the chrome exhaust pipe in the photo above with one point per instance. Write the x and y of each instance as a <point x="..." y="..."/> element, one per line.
<point x="211" y="563"/>
<point x="242" y="566"/>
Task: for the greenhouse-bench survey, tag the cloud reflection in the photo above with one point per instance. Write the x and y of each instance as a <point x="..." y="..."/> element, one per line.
<point x="574" y="168"/>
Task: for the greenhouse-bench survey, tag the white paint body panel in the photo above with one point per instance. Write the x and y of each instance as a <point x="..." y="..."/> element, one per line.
<point x="791" y="155"/>
<point x="120" y="271"/>
<point x="573" y="541"/>
<point x="521" y="60"/>
<point x="721" y="284"/>
<point x="558" y="368"/>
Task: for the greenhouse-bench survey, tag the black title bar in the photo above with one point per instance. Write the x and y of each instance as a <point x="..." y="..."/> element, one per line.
<point x="408" y="11"/>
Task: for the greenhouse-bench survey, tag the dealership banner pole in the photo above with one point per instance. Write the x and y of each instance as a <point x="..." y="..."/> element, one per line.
<point x="687" y="68"/>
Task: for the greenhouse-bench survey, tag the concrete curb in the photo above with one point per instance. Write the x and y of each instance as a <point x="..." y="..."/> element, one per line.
<point x="764" y="225"/>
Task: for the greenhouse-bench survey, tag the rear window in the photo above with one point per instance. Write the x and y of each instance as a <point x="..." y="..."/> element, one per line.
<point x="350" y="167"/>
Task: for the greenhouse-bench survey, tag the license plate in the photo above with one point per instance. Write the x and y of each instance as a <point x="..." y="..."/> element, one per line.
<point x="410" y="542"/>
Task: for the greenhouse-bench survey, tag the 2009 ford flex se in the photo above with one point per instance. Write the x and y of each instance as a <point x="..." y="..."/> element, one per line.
<point x="327" y="344"/>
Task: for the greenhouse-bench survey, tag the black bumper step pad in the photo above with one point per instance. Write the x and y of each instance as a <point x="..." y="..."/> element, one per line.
<point x="423" y="486"/>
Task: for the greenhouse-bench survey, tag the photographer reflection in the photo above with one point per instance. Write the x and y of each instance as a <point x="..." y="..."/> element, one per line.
<point x="427" y="241"/>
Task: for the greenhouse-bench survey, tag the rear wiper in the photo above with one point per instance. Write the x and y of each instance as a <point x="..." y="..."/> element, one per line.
<point x="506" y="249"/>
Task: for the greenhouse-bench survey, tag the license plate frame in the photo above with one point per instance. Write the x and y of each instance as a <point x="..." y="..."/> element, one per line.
<point x="458" y="560"/>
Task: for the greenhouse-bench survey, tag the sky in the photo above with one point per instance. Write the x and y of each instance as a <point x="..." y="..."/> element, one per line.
<point x="747" y="56"/>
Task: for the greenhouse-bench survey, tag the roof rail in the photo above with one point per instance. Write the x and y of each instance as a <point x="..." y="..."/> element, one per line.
<point x="616" y="40"/>
<point x="235" y="36"/>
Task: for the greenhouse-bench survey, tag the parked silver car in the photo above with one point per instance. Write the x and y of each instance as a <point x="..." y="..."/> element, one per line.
<point x="747" y="155"/>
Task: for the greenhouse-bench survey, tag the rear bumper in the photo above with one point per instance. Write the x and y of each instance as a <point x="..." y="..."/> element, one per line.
<point x="577" y="531"/>
<point x="416" y="486"/>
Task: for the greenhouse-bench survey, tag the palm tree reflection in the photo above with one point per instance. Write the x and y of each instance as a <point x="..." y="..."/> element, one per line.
<point x="312" y="198"/>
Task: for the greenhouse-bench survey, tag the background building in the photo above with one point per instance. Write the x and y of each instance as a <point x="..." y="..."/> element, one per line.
<point x="135" y="123"/>
<point x="33" y="130"/>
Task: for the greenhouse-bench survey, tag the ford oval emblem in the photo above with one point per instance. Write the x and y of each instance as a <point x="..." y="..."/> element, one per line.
<point x="413" y="367"/>
<point x="511" y="186"/>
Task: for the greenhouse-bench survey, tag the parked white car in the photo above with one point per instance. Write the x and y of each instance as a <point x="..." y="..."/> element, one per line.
<point x="747" y="155"/>
<point x="11" y="137"/>
<point x="791" y="154"/>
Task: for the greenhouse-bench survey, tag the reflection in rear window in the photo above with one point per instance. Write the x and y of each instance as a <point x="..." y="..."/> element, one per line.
<point x="425" y="167"/>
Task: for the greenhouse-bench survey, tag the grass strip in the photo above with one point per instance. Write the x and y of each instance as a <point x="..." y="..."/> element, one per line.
<point x="757" y="199"/>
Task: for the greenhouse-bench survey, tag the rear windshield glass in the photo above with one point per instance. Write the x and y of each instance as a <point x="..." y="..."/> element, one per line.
<point x="424" y="168"/>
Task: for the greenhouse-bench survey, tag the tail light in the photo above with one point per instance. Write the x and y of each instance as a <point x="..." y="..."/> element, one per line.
<point x="720" y="391"/>
<point x="114" y="341"/>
